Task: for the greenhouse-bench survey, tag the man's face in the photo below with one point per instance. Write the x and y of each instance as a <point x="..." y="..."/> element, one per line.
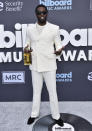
<point x="41" y="15"/>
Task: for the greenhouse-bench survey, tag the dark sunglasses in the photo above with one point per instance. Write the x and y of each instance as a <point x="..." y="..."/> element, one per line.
<point x="41" y="13"/>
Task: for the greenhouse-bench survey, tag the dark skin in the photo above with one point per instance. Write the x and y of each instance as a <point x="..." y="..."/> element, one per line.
<point x="41" y="15"/>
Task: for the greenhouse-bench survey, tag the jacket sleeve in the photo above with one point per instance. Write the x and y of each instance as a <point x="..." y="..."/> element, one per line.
<point x="28" y="41"/>
<point x="57" y="40"/>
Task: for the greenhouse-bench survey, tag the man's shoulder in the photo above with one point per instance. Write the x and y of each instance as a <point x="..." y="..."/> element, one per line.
<point x="30" y="25"/>
<point x="54" y="26"/>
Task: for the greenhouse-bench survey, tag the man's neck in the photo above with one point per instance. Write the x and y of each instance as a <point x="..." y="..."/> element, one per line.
<point x="41" y="24"/>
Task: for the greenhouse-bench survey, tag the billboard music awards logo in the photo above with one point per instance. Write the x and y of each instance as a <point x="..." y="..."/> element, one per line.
<point x="11" y="6"/>
<point x="57" y="4"/>
<point x="18" y="37"/>
<point x="66" y="127"/>
<point x="64" y="77"/>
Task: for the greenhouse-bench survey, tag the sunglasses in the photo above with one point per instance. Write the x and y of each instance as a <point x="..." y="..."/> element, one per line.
<point x="41" y="13"/>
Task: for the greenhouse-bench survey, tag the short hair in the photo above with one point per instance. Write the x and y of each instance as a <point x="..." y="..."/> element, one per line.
<point x="40" y="5"/>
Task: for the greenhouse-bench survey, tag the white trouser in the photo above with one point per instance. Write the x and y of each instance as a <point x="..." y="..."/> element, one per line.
<point x="50" y="80"/>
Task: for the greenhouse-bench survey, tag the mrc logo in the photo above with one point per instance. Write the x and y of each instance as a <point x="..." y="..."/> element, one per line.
<point x="57" y="4"/>
<point x="13" y="77"/>
<point x="1" y="6"/>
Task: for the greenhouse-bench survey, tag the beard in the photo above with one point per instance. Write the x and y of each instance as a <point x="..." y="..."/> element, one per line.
<point x="42" y="20"/>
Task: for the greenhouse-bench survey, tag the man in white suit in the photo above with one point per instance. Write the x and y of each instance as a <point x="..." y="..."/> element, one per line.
<point x="40" y="39"/>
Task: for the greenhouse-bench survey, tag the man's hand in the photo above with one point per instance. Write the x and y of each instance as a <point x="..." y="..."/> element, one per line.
<point x="59" y="51"/>
<point x="27" y="50"/>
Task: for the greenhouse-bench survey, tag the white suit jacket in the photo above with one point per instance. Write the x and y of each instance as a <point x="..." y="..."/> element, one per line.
<point x="43" y="57"/>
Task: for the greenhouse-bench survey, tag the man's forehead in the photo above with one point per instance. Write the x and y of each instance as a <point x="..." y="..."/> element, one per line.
<point x="41" y="8"/>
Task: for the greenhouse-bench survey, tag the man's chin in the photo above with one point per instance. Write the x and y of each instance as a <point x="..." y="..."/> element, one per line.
<point x="42" y="21"/>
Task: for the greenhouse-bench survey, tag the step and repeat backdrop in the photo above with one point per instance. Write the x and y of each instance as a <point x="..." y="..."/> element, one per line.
<point x="74" y="73"/>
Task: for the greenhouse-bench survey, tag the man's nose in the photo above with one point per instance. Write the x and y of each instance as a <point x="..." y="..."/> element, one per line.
<point x="42" y="14"/>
